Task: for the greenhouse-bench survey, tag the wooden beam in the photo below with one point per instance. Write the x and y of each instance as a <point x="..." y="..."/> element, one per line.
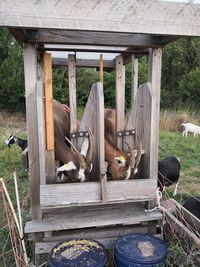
<point x="90" y="63"/>
<point x="30" y="70"/>
<point x="19" y="34"/>
<point x="154" y="77"/>
<point x="148" y="16"/>
<point x="120" y="96"/>
<point x="50" y="157"/>
<point x="94" y="38"/>
<point x="134" y="79"/>
<point x="72" y="94"/>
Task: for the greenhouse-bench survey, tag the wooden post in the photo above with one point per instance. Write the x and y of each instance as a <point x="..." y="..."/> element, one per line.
<point x="120" y="96"/>
<point x="134" y="80"/>
<point x="30" y="71"/>
<point x="100" y="149"/>
<point x="154" y="77"/>
<point x="101" y="68"/>
<point x="50" y="157"/>
<point x="72" y="95"/>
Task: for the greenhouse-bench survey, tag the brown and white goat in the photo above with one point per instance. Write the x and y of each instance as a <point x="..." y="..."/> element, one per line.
<point x="121" y="165"/>
<point x="75" y="165"/>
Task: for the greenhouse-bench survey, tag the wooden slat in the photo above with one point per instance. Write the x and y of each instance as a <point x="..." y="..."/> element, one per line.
<point x="72" y="94"/>
<point x="154" y="77"/>
<point x="50" y="156"/>
<point x="48" y="101"/>
<point x="41" y="131"/>
<point x="114" y="16"/>
<point x="181" y="229"/>
<point x="101" y="68"/>
<point x="90" y="63"/>
<point x="129" y="214"/>
<point x="193" y="221"/>
<point x="120" y="96"/>
<point x="134" y="79"/>
<point x="30" y="68"/>
<point x="94" y="38"/>
<point x="77" y="193"/>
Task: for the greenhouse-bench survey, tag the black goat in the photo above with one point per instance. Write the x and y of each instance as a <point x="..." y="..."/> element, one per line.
<point x="168" y="173"/>
<point x="192" y="204"/>
<point x="13" y="139"/>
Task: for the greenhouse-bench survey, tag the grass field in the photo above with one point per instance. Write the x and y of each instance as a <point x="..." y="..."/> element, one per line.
<point x="171" y="142"/>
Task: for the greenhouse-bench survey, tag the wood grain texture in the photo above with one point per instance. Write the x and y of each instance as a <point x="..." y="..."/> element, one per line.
<point x="72" y="93"/>
<point x="129" y="214"/>
<point x="77" y="193"/>
<point x="114" y="16"/>
<point x="90" y="63"/>
<point x="120" y="96"/>
<point x="134" y="79"/>
<point x="48" y="101"/>
<point x="30" y="67"/>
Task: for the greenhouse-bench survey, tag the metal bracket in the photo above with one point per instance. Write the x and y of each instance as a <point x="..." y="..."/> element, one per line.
<point x="79" y="134"/>
<point x="125" y="133"/>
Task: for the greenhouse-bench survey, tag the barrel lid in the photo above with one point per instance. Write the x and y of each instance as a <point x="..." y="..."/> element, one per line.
<point x="78" y="252"/>
<point x="140" y="248"/>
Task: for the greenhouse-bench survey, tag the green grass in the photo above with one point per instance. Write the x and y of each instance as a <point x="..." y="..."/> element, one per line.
<point x="187" y="149"/>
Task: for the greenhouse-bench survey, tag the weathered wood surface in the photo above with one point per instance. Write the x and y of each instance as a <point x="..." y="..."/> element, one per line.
<point x="129" y="214"/>
<point x="77" y="193"/>
<point x="48" y="92"/>
<point x="93" y="118"/>
<point x="180" y="228"/>
<point x="192" y="221"/>
<point x="115" y="16"/>
<point x="93" y="38"/>
<point x="30" y="64"/>
<point x="72" y="93"/>
<point x="41" y="131"/>
<point x="154" y="77"/>
<point x="120" y="96"/>
<point x="90" y="63"/>
<point x="134" y="79"/>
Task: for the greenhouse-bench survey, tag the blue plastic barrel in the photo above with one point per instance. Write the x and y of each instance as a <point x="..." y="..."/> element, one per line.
<point x="78" y="253"/>
<point x="139" y="250"/>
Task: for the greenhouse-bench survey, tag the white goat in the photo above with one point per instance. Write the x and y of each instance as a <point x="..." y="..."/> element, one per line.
<point x="191" y="128"/>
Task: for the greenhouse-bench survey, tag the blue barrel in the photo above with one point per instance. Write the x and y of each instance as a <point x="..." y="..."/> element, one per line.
<point x="139" y="250"/>
<point x="78" y="253"/>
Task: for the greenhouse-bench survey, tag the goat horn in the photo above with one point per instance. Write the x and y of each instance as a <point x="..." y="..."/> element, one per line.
<point x="132" y="154"/>
<point x="91" y="146"/>
<point x="139" y="154"/>
<point x="75" y="149"/>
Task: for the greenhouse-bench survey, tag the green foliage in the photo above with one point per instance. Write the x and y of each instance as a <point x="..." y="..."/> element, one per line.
<point x="11" y="74"/>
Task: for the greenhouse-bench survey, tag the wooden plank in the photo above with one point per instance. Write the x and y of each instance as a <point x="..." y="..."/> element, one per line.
<point x="50" y="156"/>
<point x="48" y="101"/>
<point x="114" y="16"/>
<point x="154" y="77"/>
<point x="129" y="214"/>
<point x="134" y="79"/>
<point x="90" y="63"/>
<point x="72" y="95"/>
<point x="30" y="69"/>
<point x="179" y="228"/>
<point x="41" y="131"/>
<point x="94" y="38"/>
<point x="120" y="96"/>
<point x="193" y="221"/>
<point x="77" y="193"/>
<point x="101" y="68"/>
<point x="100" y="139"/>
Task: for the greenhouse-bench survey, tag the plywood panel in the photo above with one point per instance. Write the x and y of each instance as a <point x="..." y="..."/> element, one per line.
<point x="148" y="16"/>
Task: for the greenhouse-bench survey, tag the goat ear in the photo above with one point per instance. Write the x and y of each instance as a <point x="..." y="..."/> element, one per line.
<point x="67" y="167"/>
<point x="120" y="161"/>
<point x="84" y="147"/>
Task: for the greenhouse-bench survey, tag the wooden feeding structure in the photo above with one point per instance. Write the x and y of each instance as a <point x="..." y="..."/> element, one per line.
<point x="121" y="31"/>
